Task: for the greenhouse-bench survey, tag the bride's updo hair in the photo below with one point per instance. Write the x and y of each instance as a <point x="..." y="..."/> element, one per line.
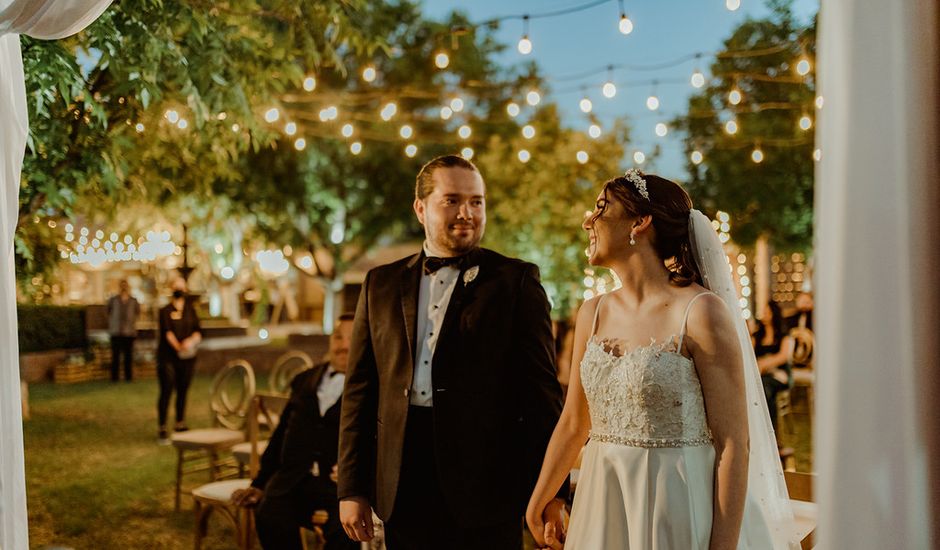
<point x="669" y="205"/>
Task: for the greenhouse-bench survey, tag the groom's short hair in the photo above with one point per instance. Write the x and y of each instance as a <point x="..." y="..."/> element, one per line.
<point x="425" y="181"/>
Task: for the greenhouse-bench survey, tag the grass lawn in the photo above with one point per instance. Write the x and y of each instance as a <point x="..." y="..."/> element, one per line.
<point x="96" y="478"/>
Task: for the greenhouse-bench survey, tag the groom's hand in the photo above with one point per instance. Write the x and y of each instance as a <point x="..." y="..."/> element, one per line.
<point x="548" y="525"/>
<point x="356" y="516"/>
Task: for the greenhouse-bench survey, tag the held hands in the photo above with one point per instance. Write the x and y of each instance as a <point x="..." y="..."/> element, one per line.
<point x="548" y="525"/>
<point x="247" y="498"/>
<point x="356" y="516"/>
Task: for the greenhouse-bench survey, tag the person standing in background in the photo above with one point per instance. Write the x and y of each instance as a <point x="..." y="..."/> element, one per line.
<point x="179" y="335"/>
<point x="123" y="310"/>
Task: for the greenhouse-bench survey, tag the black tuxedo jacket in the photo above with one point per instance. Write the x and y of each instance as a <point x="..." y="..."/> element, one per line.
<point x="496" y="396"/>
<point x="301" y="438"/>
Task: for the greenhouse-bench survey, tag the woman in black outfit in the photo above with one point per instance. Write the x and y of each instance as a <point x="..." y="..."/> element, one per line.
<point x="773" y="349"/>
<point x="179" y="335"/>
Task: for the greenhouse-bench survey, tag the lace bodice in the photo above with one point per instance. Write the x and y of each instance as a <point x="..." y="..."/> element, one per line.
<point x="649" y="397"/>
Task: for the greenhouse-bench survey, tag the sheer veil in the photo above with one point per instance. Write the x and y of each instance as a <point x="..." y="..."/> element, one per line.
<point x="765" y="484"/>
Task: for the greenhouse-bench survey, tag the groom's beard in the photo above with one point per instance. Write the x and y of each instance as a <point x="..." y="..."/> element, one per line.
<point x="459" y="237"/>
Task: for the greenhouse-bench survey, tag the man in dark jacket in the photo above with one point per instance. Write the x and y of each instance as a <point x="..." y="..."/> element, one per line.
<point x="296" y="475"/>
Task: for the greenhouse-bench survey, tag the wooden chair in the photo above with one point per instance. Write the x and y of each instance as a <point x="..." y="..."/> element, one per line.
<point x="200" y="450"/>
<point x="270" y="409"/>
<point x="285" y="369"/>
<point x="784" y="411"/>
<point x="802" y="499"/>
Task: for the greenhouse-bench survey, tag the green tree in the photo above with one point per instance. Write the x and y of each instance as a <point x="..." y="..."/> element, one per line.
<point x="772" y="199"/>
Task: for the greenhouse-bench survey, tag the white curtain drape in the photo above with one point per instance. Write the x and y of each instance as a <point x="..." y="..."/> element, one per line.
<point x="878" y="255"/>
<point x="48" y="19"/>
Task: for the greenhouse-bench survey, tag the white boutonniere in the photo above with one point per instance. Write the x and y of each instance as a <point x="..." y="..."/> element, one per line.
<point x="470" y="275"/>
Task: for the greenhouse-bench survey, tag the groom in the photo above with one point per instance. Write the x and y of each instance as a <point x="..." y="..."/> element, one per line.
<point x="451" y="395"/>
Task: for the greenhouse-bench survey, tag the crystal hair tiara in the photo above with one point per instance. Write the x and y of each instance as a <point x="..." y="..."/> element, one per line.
<point x="636" y="178"/>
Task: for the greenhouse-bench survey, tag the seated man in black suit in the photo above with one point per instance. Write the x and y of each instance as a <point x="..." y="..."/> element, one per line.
<point x="296" y="477"/>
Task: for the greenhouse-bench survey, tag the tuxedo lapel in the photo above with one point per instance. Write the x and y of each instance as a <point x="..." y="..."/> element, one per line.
<point x="463" y="291"/>
<point x="410" y="280"/>
<point x="314" y="384"/>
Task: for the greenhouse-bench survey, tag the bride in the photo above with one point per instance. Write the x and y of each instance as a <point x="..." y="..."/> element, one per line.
<point x="664" y="383"/>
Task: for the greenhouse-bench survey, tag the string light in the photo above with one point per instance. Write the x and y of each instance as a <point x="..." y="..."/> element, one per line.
<point x="512" y="109"/>
<point x="582" y="157"/>
<point x="652" y="102"/>
<point x="805" y="122"/>
<point x="172" y="116"/>
<point x="732" y="5"/>
<point x="411" y="150"/>
<point x="734" y="96"/>
<point x="533" y="98"/>
<point x="757" y="155"/>
<point x="586" y="105"/>
<point x="300" y="144"/>
<point x="406" y="131"/>
<point x="731" y="127"/>
<point x="594" y="131"/>
<point x="139" y="128"/>
<point x="525" y="45"/>
<point x="310" y="83"/>
<point x="290" y="128"/>
<point x="347" y="130"/>
<point x="639" y="157"/>
<point x="466" y="153"/>
<point x="819" y="102"/>
<point x="803" y="67"/>
<point x="355" y="147"/>
<point x="388" y="111"/>
<point x="528" y="131"/>
<point x="271" y="115"/>
<point x="441" y="60"/>
<point x="368" y="74"/>
<point x="182" y="124"/>
<point x="222" y="116"/>
<point x="456" y="104"/>
<point x="817" y="155"/>
<point x="696" y="157"/>
<point x="698" y="79"/>
<point x="236" y="127"/>
<point x="625" y="25"/>
<point x="609" y="89"/>
<point x="446" y="113"/>
<point x="662" y="129"/>
<point x="524" y="156"/>
<point x="464" y="131"/>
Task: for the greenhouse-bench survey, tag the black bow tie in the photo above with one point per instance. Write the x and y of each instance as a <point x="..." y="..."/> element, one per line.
<point x="432" y="263"/>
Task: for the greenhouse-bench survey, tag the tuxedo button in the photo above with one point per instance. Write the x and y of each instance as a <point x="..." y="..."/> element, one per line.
<point x="407" y="391"/>
<point x="440" y="389"/>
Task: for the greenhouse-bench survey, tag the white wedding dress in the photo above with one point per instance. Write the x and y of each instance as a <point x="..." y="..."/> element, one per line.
<point x="647" y="473"/>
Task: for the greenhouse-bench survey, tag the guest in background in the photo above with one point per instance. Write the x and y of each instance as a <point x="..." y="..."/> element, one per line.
<point x="123" y="310"/>
<point x="179" y="336"/>
<point x="803" y="318"/>
<point x="773" y="348"/>
<point x="295" y="479"/>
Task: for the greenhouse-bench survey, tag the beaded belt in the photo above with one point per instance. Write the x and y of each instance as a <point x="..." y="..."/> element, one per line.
<point x="651" y="443"/>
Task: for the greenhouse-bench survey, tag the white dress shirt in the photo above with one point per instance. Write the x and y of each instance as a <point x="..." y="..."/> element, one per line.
<point x="330" y="389"/>
<point x="433" y="297"/>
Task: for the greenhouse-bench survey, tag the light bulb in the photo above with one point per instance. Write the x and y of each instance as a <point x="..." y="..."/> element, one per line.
<point x="652" y="103"/>
<point x="512" y="109"/>
<point x="442" y="60"/>
<point x="310" y="83"/>
<point x="639" y="157"/>
<point x="446" y="113"/>
<point x="533" y="98"/>
<point x="582" y="157"/>
<point x="696" y="157"/>
<point x="406" y="131"/>
<point x="290" y="128"/>
<point x="732" y="5"/>
<point x="172" y="116"/>
<point x="734" y="96"/>
<point x="802" y="67"/>
<point x="662" y="129"/>
<point x="388" y="111"/>
<point x="805" y="122"/>
<point x="594" y="131"/>
<point x="525" y="45"/>
<point x="271" y="115"/>
<point x="524" y="156"/>
<point x="819" y="102"/>
<point x="456" y="104"/>
<point x="466" y="153"/>
<point x="625" y="25"/>
<point x="139" y="127"/>
<point x="528" y="131"/>
<point x="586" y="105"/>
<point x="757" y="156"/>
<point x="411" y="150"/>
<point x="464" y="131"/>
<point x="817" y="154"/>
<point x="355" y="147"/>
<point x="368" y="74"/>
<point x="609" y="90"/>
<point x="698" y="79"/>
<point x="300" y="144"/>
<point x="347" y="130"/>
<point x="731" y="127"/>
<point x="182" y="124"/>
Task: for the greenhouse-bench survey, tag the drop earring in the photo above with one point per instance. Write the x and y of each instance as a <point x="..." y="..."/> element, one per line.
<point x="632" y="239"/>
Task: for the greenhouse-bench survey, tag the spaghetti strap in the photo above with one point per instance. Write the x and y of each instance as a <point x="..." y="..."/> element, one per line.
<point x="685" y="318"/>
<point x="597" y="311"/>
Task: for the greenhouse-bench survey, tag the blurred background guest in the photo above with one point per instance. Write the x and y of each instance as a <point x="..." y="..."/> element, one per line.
<point x="773" y="348"/>
<point x="123" y="310"/>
